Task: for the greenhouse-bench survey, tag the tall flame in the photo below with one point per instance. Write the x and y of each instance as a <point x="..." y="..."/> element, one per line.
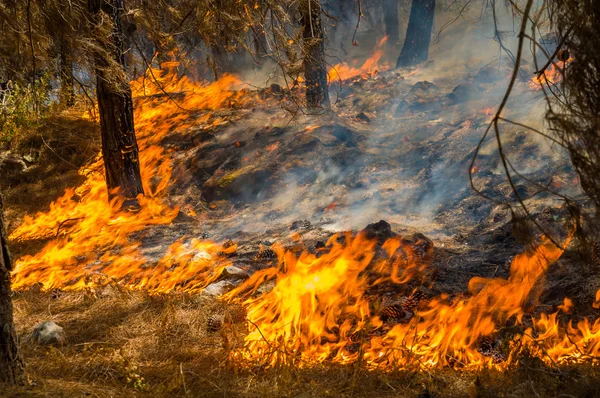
<point x="320" y="310"/>
<point x="551" y="76"/>
<point x="343" y="71"/>
<point x="83" y="222"/>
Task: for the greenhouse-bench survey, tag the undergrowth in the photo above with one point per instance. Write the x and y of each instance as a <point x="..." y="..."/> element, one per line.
<point x="123" y="343"/>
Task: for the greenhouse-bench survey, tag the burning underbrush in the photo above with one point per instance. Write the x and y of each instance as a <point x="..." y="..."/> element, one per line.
<point x="247" y="203"/>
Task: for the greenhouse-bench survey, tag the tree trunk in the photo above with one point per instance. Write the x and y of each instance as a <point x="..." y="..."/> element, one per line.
<point x="315" y="72"/>
<point x="119" y="145"/>
<point x="66" y="94"/>
<point x="390" y="19"/>
<point x="11" y="365"/>
<point x="418" y="34"/>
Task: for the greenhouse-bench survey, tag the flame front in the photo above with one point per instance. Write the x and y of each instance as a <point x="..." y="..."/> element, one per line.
<point x="323" y="307"/>
<point x="91" y="236"/>
<point x="343" y="71"/>
<point x="320" y="310"/>
<point x="551" y="76"/>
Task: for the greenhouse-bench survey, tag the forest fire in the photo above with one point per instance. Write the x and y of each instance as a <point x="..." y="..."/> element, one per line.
<point x="190" y="194"/>
<point x="320" y="310"/>
<point x="551" y="76"/>
<point x="343" y="71"/>
<point x="82" y="221"/>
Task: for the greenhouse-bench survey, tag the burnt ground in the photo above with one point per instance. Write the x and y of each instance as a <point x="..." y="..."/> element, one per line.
<point x="397" y="146"/>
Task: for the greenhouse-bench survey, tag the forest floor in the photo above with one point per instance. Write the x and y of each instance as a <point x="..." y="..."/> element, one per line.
<point x="397" y="146"/>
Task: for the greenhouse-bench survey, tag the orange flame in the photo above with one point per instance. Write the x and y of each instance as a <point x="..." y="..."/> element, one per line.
<point x="320" y="310"/>
<point x="551" y="76"/>
<point x="83" y="223"/>
<point x="343" y="71"/>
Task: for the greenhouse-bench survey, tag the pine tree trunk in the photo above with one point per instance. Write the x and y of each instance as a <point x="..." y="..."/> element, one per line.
<point x="390" y="19"/>
<point x="119" y="145"/>
<point x="315" y="72"/>
<point x="66" y="94"/>
<point x="11" y="365"/>
<point x="418" y="34"/>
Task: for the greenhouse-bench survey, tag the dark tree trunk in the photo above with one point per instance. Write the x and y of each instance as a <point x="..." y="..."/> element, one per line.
<point x="315" y="72"/>
<point x="119" y="145"/>
<point x="11" y="365"/>
<point x="66" y="94"/>
<point x="418" y="34"/>
<point x="390" y="19"/>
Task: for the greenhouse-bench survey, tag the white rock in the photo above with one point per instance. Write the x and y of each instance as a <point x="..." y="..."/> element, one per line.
<point x="49" y="333"/>
<point x="218" y="288"/>
<point x="231" y="272"/>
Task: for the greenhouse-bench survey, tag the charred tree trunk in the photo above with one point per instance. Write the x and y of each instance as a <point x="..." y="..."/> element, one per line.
<point x="390" y="19"/>
<point x="66" y="94"/>
<point x="315" y="72"/>
<point x="11" y="365"/>
<point x="119" y="145"/>
<point x="418" y="34"/>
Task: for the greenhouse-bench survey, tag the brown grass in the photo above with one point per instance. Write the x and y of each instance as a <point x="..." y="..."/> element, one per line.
<point x="58" y="146"/>
<point x="123" y="343"/>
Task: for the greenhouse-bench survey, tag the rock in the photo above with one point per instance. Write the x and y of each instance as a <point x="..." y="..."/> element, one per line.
<point x="362" y="116"/>
<point x="380" y="231"/>
<point x="231" y="272"/>
<point x="11" y="167"/>
<point x="49" y="333"/>
<point x="347" y="136"/>
<point x="492" y="73"/>
<point x="266" y="287"/>
<point x="218" y="288"/>
<point x="276" y="89"/>
<point x="463" y="93"/>
<point x="423" y="87"/>
<point x="183" y="218"/>
<point x="301" y="224"/>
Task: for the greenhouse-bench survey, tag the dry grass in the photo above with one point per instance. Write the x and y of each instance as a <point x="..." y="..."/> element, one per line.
<point x="123" y="343"/>
<point x="56" y="147"/>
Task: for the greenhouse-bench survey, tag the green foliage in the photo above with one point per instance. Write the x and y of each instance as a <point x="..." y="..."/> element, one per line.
<point x="22" y="106"/>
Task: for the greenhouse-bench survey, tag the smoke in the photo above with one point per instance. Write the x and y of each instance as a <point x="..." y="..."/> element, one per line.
<point x="410" y="163"/>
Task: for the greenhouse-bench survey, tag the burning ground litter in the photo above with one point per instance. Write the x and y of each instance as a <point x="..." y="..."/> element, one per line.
<point x="438" y="288"/>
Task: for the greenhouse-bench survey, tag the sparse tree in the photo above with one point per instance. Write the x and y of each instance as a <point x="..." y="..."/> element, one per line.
<point x="11" y="365"/>
<point x="115" y="105"/>
<point x="315" y="71"/>
<point x="415" y="49"/>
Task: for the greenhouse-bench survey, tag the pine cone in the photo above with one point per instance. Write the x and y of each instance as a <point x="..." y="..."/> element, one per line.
<point x="265" y="254"/>
<point x="423" y="247"/>
<point x="411" y="303"/>
<point x="489" y="347"/>
<point x="392" y="313"/>
<point x="226" y="245"/>
<point x="214" y="323"/>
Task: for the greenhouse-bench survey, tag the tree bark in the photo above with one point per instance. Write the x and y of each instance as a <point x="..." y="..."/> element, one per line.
<point x="418" y="34"/>
<point x="11" y="365"/>
<point x="66" y="94"/>
<point x="119" y="145"/>
<point x="390" y="19"/>
<point x="315" y="72"/>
